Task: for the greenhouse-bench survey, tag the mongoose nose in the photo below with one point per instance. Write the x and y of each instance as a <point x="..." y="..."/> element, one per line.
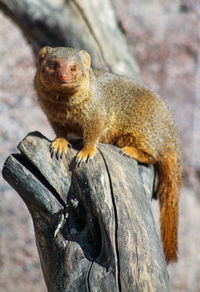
<point x="62" y="76"/>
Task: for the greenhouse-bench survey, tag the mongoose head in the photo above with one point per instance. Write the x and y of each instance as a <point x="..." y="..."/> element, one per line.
<point x="63" y="68"/>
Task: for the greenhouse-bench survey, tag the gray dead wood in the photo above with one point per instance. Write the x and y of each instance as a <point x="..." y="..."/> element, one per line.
<point x="93" y="224"/>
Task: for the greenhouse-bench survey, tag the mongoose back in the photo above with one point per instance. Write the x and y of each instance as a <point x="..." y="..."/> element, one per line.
<point x="101" y="106"/>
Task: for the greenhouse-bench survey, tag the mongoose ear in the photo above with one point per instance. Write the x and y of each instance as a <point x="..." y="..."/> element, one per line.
<point x="85" y="57"/>
<point x="42" y="54"/>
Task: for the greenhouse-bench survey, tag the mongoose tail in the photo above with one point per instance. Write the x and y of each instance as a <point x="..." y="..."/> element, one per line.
<point x="170" y="173"/>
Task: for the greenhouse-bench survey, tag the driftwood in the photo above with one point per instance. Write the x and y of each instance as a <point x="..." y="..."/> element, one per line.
<point x="93" y="224"/>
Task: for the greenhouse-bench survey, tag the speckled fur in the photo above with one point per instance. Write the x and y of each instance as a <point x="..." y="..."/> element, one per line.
<point x="100" y="106"/>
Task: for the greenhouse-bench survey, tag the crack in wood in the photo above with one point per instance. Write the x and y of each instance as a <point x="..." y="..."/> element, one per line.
<point x="88" y="275"/>
<point x="137" y="261"/>
<point x="81" y="11"/>
<point x="116" y="220"/>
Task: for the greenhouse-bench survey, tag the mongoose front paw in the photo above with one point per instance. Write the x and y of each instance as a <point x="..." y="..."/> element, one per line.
<point x="59" y="147"/>
<point x="85" y="154"/>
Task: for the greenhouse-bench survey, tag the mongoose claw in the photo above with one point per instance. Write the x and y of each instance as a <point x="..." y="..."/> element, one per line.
<point x="123" y="153"/>
<point x="85" y="155"/>
<point x="59" y="147"/>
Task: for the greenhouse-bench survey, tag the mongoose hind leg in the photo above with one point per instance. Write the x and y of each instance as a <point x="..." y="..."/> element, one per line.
<point x="137" y="154"/>
<point x="59" y="147"/>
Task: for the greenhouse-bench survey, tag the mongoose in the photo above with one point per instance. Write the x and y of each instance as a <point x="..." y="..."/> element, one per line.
<point x="101" y="106"/>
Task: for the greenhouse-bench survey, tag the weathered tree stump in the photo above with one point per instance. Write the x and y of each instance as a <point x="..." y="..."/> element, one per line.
<point x="93" y="224"/>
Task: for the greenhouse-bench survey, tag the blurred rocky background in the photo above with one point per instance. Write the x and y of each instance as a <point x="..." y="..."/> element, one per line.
<point x="164" y="38"/>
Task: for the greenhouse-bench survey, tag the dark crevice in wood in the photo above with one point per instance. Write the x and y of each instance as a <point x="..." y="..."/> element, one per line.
<point x="155" y="185"/>
<point x="88" y="276"/>
<point x="23" y="160"/>
<point x="77" y="218"/>
<point x="116" y="220"/>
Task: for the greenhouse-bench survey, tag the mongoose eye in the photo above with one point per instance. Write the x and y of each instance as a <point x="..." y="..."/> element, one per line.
<point x="73" y="68"/>
<point x="55" y="65"/>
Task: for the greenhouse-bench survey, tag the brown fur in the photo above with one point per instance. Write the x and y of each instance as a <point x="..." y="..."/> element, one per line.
<point x="100" y="106"/>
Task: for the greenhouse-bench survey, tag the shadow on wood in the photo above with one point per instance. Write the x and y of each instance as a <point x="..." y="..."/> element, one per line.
<point x="93" y="224"/>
